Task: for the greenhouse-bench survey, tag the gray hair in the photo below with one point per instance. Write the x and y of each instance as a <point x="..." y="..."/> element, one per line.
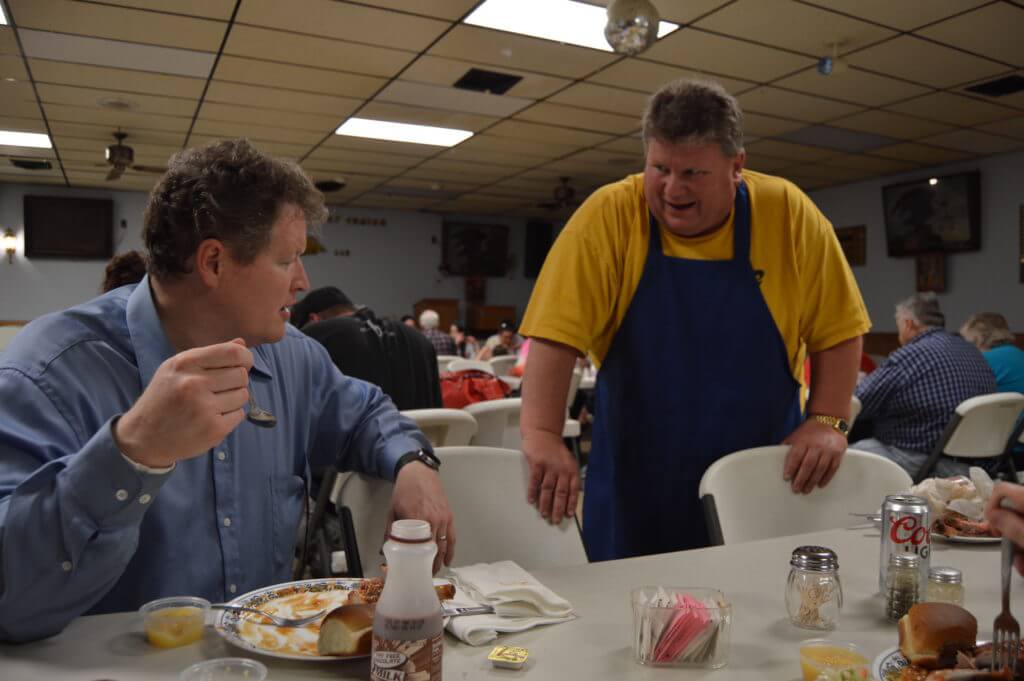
<point x="429" y="319"/>
<point x="924" y="309"/>
<point x="987" y="330"/>
<point x="694" y="112"/>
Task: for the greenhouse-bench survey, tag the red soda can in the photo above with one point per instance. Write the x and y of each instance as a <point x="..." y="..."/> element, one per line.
<point x="906" y="528"/>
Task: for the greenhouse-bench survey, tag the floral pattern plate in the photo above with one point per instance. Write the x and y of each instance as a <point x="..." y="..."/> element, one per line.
<point x="890" y="662"/>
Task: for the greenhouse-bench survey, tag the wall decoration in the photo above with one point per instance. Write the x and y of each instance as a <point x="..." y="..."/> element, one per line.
<point x="474" y="249"/>
<point x="853" y="241"/>
<point x="931" y="272"/>
<point x="313" y="246"/>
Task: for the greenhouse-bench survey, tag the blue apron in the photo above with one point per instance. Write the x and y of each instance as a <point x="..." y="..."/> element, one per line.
<point x="696" y="371"/>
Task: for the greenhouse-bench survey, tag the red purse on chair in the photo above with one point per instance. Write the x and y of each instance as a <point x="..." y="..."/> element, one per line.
<point x="460" y="388"/>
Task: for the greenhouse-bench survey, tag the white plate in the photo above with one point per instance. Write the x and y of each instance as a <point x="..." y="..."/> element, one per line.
<point x="889" y="661"/>
<point x="965" y="540"/>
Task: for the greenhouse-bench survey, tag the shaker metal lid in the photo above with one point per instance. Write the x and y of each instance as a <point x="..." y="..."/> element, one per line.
<point x="817" y="558"/>
<point x="906" y="560"/>
<point x="945" y="575"/>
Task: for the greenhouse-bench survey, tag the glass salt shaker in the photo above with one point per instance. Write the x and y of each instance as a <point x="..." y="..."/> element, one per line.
<point x="814" y="595"/>
<point x="945" y="585"/>
<point x="902" y="585"/>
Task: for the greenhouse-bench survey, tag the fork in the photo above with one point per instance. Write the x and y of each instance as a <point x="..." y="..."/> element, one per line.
<point x="274" y="619"/>
<point x="1005" y="630"/>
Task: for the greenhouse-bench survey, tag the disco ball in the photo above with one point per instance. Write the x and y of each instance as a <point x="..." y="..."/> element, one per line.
<point x="632" y="26"/>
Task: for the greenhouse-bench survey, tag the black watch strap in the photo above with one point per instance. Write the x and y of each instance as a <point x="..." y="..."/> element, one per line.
<point x="421" y="455"/>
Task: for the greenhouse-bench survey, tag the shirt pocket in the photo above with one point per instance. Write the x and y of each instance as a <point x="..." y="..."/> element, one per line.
<point x="286" y="503"/>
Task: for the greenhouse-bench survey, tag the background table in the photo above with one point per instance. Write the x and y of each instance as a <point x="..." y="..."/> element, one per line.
<point x="595" y="646"/>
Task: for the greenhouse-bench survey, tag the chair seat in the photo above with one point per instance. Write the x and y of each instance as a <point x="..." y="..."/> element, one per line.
<point x="571" y="429"/>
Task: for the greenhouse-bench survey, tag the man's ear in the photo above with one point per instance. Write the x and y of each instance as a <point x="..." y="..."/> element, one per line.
<point x="737" y="165"/>
<point x="211" y="256"/>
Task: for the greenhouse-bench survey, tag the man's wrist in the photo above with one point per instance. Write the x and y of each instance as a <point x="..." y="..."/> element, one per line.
<point x="837" y="423"/>
<point x="427" y="458"/>
<point x="120" y="430"/>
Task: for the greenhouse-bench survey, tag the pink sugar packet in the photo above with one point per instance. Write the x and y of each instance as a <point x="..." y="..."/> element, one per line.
<point x="689" y="620"/>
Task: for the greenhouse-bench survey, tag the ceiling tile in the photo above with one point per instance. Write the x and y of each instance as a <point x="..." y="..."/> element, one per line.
<point x="102" y="133"/>
<point x="286" y="100"/>
<point x="840" y="139"/>
<point x="103" y="52"/>
<point x="488" y="143"/>
<point x="509" y="160"/>
<point x="19" y="99"/>
<point x="387" y="111"/>
<point x="584" y="119"/>
<point x="442" y="9"/>
<point x="821" y="171"/>
<point x="116" y="119"/>
<point x="919" y="153"/>
<point x="118" y="23"/>
<point x="343" y="21"/>
<point x="432" y="185"/>
<point x="853" y="85"/>
<point x="21" y="123"/>
<point x="759" y="125"/>
<point x="873" y="164"/>
<point x="352" y="156"/>
<point x="319" y="123"/>
<point x="648" y="76"/>
<point x="890" y="124"/>
<point x="679" y="12"/>
<point x="8" y="43"/>
<point x="11" y="66"/>
<point x="904" y="15"/>
<point x="777" y="102"/>
<point x="975" y="142"/>
<point x="292" y="77"/>
<point x="766" y="164"/>
<point x="338" y="167"/>
<point x="697" y="50"/>
<point x="603" y="98"/>
<point x="262" y="133"/>
<point x="291" y="48"/>
<point x="66" y="73"/>
<point x="954" y="109"/>
<point x="210" y="9"/>
<point x="794" y="26"/>
<point x="281" y="149"/>
<point x="788" y="150"/>
<point x="90" y="98"/>
<point x="441" y="71"/>
<point x="508" y="50"/>
<point x="455" y="99"/>
<point x="547" y="133"/>
<point x="628" y="145"/>
<point x="924" y="62"/>
<point x="1011" y="127"/>
<point x="992" y="31"/>
<point x="43" y="180"/>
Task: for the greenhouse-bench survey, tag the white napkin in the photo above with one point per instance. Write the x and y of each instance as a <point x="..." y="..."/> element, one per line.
<point x="520" y="602"/>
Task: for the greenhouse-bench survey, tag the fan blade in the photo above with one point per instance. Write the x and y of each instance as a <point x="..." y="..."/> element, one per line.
<point x="150" y="169"/>
<point x="115" y="172"/>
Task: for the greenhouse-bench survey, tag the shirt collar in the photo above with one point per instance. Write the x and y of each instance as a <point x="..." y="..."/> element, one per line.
<point x="923" y="334"/>
<point x="152" y="347"/>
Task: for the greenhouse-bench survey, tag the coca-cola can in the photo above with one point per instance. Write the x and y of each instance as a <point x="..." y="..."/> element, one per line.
<point x="906" y="528"/>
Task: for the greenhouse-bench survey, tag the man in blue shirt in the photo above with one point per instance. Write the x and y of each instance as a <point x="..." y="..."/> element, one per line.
<point x="912" y="395"/>
<point x="128" y="470"/>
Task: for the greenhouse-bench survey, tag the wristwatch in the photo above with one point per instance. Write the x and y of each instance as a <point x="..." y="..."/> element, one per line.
<point x="837" y="423"/>
<point x="426" y="458"/>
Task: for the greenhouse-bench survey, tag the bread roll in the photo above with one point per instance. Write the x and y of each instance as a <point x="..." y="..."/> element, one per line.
<point x="347" y="630"/>
<point x="931" y="634"/>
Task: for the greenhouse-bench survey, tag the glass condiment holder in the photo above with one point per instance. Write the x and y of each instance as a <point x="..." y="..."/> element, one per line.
<point x="902" y="585"/>
<point x="945" y="585"/>
<point x="814" y="594"/>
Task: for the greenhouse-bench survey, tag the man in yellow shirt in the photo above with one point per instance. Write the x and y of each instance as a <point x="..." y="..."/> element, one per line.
<point x="698" y="287"/>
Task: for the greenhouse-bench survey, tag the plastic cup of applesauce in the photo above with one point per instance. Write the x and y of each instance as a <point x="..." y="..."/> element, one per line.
<point x="823" y="657"/>
<point x="175" y="621"/>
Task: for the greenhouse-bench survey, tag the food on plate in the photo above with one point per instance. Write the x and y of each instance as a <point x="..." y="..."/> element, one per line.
<point x="953" y="524"/>
<point x="932" y="634"/>
<point x="369" y="591"/>
<point x="173" y="627"/>
<point x="957" y="504"/>
<point x="346" y="631"/>
<point x="969" y="675"/>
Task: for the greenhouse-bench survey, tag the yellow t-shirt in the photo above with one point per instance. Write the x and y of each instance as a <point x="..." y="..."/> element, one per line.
<point x="593" y="269"/>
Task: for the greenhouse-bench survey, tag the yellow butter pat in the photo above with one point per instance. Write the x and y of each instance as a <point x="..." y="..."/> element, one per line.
<point x="508" y="657"/>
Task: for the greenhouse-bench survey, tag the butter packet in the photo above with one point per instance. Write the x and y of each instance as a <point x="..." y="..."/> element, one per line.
<point x="508" y="657"/>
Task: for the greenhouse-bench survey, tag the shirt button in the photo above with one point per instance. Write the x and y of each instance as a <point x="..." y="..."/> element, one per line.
<point x="221" y="455"/>
<point x="145" y="499"/>
<point x="66" y="566"/>
<point x="232" y="588"/>
<point x="227" y="522"/>
<point x="121" y="494"/>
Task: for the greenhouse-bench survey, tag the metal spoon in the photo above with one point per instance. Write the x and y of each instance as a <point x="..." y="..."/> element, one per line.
<point x="258" y="415"/>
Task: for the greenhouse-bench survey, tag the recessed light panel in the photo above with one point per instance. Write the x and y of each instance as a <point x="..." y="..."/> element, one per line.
<point x="402" y="132"/>
<point x="35" y="140"/>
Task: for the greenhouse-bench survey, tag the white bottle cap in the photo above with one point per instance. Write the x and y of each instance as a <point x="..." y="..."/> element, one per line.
<point x="411" y="530"/>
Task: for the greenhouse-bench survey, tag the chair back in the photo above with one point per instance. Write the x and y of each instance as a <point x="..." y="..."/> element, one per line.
<point x="982" y="425"/>
<point x="474" y="364"/>
<point x="574" y="386"/>
<point x="444" y="360"/>
<point x="503" y="364"/>
<point x="497" y="423"/>
<point x="369" y="501"/>
<point x="745" y="497"/>
<point x="855" y="407"/>
<point x="444" y="427"/>
<point x="486" y="488"/>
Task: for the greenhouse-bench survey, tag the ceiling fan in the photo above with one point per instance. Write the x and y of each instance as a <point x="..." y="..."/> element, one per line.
<point x="563" y="195"/>
<point x="120" y="158"/>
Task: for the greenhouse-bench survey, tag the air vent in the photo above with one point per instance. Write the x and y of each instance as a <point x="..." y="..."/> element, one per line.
<point x="31" y="164"/>
<point x="1000" y="87"/>
<point x="487" y="81"/>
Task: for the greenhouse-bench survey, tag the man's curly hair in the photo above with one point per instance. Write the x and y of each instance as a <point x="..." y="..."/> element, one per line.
<point x="229" y="191"/>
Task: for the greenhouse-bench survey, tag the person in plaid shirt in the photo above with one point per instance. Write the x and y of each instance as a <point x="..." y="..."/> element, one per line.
<point x="442" y="342"/>
<point x="915" y="391"/>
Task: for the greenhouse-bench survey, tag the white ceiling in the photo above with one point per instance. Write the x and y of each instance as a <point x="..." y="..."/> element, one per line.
<point x="286" y="74"/>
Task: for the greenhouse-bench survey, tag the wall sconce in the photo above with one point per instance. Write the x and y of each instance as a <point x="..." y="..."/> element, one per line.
<point x="10" y="243"/>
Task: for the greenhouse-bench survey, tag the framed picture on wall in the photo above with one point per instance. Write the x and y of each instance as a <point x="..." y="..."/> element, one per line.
<point x="1021" y="257"/>
<point x="931" y="272"/>
<point x="853" y="241"/>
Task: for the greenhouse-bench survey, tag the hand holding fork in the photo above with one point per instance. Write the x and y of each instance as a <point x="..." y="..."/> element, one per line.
<point x="1006" y="630"/>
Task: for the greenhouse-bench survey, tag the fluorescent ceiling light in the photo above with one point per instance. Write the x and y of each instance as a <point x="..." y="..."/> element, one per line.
<point x="565" y="21"/>
<point x="3" y="19"/>
<point x="38" y="140"/>
<point x="402" y="132"/>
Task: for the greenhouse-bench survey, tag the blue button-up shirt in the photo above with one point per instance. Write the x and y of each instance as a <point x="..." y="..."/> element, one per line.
<point x="912" y="395"/>
<point x="83" y="531"/>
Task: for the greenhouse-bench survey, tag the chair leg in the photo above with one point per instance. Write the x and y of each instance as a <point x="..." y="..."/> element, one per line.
<point x="940" y="447"/>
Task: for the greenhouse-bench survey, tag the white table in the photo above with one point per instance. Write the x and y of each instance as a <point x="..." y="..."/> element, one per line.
<point x="595" y="646"/>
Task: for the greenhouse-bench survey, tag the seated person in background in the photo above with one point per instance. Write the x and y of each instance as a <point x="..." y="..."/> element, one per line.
<point x="465" y="346"/>
<point x="123" y="269"/>
<point x="914" y="392"/>
<point x="128" y="470"/>
<point x="506" y="336"/>
<point x="991" y="334"/>
<point x="397" y="358"/>
<point x="409" y="320"/>
<point x="442" y="342"/>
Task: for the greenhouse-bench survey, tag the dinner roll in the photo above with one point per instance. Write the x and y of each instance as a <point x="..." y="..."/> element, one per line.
<point x="347" y="630"/>
<point x="931" y="634"/>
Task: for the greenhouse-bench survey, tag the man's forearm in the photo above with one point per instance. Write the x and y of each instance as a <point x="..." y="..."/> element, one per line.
<point x="546" y="387"/>
<point x="833" y="378"/>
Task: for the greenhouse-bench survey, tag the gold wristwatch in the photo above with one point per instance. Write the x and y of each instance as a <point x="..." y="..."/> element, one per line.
<point x="837" y="423"/>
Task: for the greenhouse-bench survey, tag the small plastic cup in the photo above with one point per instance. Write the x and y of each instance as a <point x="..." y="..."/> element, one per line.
<point x="175" y="621"/>
<point x="822" y="657"/>
<point x="225" y="669"/>
<point x="691" y="629"/>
